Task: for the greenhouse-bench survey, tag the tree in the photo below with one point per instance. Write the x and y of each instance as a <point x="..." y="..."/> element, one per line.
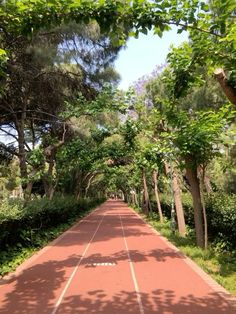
<point x="196" y="137"/>
<point x="208" y="53"/>
<point x="38" y="83"/>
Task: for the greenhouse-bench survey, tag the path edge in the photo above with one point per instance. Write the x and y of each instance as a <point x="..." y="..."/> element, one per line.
<point x="215" y="286"/>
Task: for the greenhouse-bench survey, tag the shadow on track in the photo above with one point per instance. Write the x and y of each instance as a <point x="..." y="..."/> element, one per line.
<point x="159" y="302"/>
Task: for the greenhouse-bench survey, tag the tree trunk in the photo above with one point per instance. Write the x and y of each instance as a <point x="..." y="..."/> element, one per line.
<point x="48" y="178"/>
<point x="178" y="204"/>
<point x="154" y="177"/>
<point x="228" y="90"/>
<point x="28" y="189"/>
<point x="177" y="200"/>
<point x="145" y="202"/>
<point x="132" y="199"/>
<point x="202" y="176"/>
<point x="50" y="155"/>
<point x="205" y="180"/>
<point x="126" y="198"/>
<point x="91" y="177"/>
<point x="19" y="124"/>
<point x="136" y="199"/>
<point x="191" y="173"/>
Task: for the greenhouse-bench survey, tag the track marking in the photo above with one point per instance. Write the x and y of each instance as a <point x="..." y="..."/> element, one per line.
<point x="139" y="299"/>
<point x="75" y="270"/>
<point x="102" y="264"/>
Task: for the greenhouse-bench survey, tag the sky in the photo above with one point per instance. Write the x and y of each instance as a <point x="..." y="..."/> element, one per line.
<point x="142" y="55"/>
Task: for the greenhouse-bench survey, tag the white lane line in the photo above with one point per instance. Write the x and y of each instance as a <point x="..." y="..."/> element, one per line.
<point x="139" y="299"/>
<point x="74" y="271"/>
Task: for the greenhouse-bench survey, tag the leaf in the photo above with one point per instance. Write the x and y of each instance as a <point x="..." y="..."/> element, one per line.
<point x="158" y="32"/>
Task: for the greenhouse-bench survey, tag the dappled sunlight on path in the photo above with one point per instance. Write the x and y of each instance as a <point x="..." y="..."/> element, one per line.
<point x="110" y="262"/>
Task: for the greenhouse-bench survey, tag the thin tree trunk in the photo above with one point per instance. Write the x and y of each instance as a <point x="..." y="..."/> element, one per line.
<point x="47" y="180"/>
<point x="202" y="180"/>
<point x="50" y="154"/>
<point x="191" y="173"/>
<point x="93" y="175"/>
<point x="146" y="202"/>
<point x="178" y="204"/>
<point x="228" y="90"/>
<point x="154" y="177"/>
<point x="132" y="199"/>
<point x="177" y="200"/>
<point x="28" y="189"/>
<point x="19" y="124"/>
<point x="205" y="180"/>
<point x="136" y="198"/>
<point x="77" y="184"/>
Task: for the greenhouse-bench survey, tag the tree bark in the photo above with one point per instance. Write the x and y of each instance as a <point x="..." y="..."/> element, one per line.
<point x="178" y="204"/>
<point x="227" y="89"/>
<point x="154" y="177"/>
<point x="191" y="173"/>
<point x="132" y="199"/>
<point x="50" y="154"/>
<point x="20" y="124"/>
<point x="47" y="179"/>
<point x="205" y="179"/>
<point x="202" y="176"/>
<point x="177" y="200"/>
<point x="145" y="202"/>
<point x="91" y="177"/>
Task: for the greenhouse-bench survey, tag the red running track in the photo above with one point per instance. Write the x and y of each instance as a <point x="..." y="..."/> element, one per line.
<point x="111" y="262"/>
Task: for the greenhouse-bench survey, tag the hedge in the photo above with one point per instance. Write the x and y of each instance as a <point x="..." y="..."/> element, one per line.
<point x="221" y="216"/>
<point x="18" y="222"/>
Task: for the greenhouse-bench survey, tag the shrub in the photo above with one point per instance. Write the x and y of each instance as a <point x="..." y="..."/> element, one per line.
<point x="18" y="222"/>
<point x="221" y="212"/>
<point x="221" y="216"/>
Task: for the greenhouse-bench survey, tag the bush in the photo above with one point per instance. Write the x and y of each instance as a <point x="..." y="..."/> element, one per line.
<point x="19" y="222"/>
<point x="221" y="212"/>
<point x="166" y="201"/>
<point x="221" y="216"/>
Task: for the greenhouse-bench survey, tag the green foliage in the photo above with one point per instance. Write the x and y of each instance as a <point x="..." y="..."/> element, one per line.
<point x="193" y="62"/>
<point x="221" y="216"/>
<point x="199" y="134"/>
<point x="9" y="178"/>
<point x="129" y="130"/>
<point x="20" y="223"/>
<point x="181" y="68"/>
<point x="107" y="100"/>
<point x="118" y="17"/>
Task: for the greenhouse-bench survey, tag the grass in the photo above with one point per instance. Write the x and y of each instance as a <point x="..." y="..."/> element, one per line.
<point x="219" y="265"/>
<point x="13" y="256"/>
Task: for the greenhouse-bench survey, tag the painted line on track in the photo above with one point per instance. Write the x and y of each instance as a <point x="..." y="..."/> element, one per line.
<point x="75" y="269"/>
<point x="139" y="299"/>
